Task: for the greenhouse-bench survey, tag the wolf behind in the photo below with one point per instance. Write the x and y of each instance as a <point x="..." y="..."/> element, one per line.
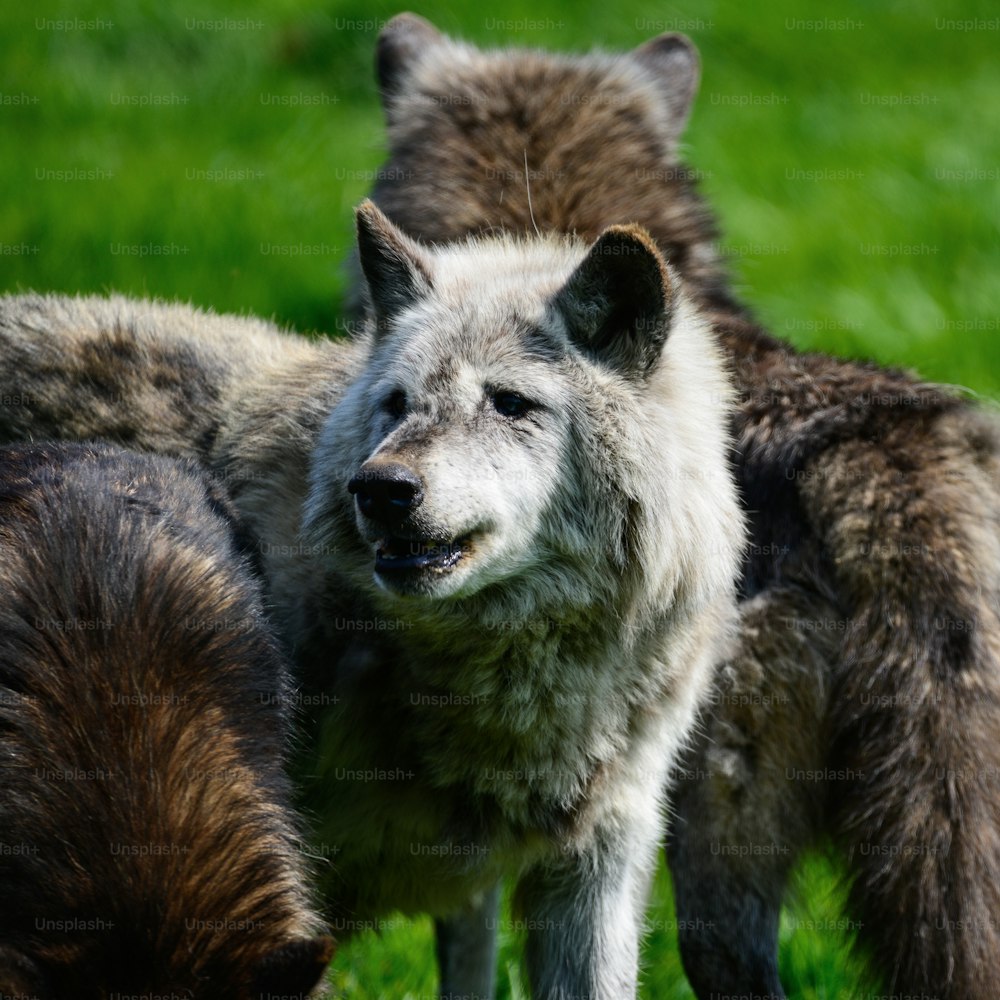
<point x="501" y="535"/>
<point x="147" y="840"/>
<point x="865" y="697"/>
<point x="234" y="393"/>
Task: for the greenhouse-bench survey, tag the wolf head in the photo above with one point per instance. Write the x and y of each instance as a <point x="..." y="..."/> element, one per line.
<point x="517" y="420"/>
<point x="519" y="139"/>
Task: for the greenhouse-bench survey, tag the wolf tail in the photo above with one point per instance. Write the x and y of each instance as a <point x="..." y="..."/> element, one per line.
<point x="915" y="705"/>
<point x="866" y="703"/>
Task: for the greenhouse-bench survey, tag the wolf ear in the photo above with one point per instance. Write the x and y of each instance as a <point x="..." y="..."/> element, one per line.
<point x="399" y="43"/>
<point x="293" y="969"/>
<point x="617" y="304"/>
<point x="395" y="267"/>
<point x="673" y="61"/>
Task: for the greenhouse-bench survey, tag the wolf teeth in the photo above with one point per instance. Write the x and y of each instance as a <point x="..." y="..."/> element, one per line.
<point x="402" y="548"/>
<point x="413" y="553"/>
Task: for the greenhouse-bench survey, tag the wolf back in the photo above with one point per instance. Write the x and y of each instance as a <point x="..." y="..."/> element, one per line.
<point x="148" y="840"/>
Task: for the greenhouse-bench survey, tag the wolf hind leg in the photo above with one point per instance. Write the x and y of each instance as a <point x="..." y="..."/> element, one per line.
<point x="467" y="950"/>
<point x="748" y="795"/>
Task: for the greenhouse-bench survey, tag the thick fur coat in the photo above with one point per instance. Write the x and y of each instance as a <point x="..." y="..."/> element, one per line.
<point x="148" y="843"/>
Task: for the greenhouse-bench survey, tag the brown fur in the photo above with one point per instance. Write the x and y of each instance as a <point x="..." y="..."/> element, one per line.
<point x="143" y="721"/>
<point x="869" y="661"/>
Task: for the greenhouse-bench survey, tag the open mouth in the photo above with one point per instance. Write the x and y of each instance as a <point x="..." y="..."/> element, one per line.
<point x="396" y="555"/>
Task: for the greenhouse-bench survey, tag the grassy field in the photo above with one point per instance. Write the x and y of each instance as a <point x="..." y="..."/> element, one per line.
<point x="214" y="153"/>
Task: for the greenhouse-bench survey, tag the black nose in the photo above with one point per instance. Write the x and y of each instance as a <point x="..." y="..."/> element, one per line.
<point x="386" y="491"/>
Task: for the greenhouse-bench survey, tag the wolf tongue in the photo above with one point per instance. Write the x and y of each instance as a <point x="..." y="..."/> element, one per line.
<point x="393" y="548"/>
<point x="402" y="548"/>
<point x="401" y="555"/>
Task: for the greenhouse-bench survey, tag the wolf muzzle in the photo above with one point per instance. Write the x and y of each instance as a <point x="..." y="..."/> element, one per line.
<point x="387" y="492"/>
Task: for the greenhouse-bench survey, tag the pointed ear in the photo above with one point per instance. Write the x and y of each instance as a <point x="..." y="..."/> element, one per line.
<point x="617" y="304"/>
<point x="293" y="969"/>
<point x="673" y="61"/>
<point x="395" y="267"/>
<point x="399" y="43"/>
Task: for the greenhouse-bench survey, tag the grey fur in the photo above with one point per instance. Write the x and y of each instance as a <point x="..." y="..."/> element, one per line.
<point x="467" y="948"/>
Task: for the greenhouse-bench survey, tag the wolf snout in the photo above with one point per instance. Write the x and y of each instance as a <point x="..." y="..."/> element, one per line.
<point x="386" y="491"/>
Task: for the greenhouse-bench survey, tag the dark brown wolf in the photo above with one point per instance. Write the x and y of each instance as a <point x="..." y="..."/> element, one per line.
<point x="146" y="844"/>
<point x="865" y="697"/>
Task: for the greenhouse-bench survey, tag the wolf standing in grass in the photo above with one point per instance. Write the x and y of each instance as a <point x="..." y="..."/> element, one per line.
<point x="512" y="578"/>
<point x="148" y="843"/>
<point x="865" y="696"/>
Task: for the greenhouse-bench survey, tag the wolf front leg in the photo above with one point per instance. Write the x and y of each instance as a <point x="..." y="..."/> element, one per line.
<point x="584" y="920"/>
<point x="748" y="795"/>
<point x="467" y="950"/>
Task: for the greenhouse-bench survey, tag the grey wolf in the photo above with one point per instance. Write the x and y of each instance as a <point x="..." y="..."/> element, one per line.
<point x="145" y="820"/>
<point x="864" y="700"/>
<point x="501" y="537"/>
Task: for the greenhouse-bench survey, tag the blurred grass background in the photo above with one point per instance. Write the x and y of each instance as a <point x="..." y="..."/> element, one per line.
<point x="213" y="153"/>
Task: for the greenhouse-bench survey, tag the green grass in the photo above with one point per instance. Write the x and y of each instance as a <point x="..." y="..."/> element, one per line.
<point x="815" y="935"/>
<point x="808" y="173"/>
<point x="855" y="169"/>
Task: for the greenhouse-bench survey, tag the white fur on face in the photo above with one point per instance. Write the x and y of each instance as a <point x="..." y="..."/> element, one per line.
<point x="487" y="476"/>
<point x="611" y="472"/>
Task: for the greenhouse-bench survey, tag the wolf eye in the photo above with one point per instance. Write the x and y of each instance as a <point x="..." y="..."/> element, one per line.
<point x="510" y="404"/>
<point x="395" y="403"/>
